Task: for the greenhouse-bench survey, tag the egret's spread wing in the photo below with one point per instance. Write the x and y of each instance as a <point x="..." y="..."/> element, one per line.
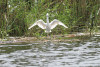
<point x="40" y="23"/>
<point x="55" y="22"/>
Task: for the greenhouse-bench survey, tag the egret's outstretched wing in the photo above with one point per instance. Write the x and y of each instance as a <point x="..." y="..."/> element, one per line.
<point x="40" y="23"/>
<point x="55" y="22"/>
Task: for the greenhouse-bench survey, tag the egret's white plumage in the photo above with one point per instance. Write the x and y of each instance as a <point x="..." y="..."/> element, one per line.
<point x="48" y="26"/>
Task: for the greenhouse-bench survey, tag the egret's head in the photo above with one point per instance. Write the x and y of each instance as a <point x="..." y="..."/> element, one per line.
<point x="47" y="15"/>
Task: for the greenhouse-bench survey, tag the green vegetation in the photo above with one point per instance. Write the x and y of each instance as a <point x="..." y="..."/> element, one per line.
<point x="17" y="15"/>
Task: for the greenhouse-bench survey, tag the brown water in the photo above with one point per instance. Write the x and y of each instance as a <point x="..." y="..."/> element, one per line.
<point x="50" y="54"/>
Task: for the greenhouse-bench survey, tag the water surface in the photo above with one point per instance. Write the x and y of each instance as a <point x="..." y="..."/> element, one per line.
<point x="85" y="52"/>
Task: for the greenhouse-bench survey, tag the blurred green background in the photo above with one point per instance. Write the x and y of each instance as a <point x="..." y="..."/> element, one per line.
<point x="17" y="15"/>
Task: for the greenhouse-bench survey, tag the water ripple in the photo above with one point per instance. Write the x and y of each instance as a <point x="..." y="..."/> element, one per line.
<point x="74" y="54"/>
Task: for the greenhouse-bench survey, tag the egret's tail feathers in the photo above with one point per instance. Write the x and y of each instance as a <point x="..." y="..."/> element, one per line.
<point x="47" y="31"/>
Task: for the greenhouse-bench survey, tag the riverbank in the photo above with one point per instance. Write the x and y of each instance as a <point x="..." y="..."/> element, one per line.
<point x="55" y="38"/>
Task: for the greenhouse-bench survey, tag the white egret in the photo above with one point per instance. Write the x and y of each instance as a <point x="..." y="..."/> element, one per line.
<point x="48" y="26"/>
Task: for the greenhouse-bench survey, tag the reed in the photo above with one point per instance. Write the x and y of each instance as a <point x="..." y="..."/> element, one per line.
<point x="17" y="15"/>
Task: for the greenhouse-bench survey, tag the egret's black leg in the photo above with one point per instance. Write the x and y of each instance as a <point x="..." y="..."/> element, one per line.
<point x="47" y="35"/>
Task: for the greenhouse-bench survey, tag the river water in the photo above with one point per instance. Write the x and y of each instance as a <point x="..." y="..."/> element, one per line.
<point x="83" y="53"/>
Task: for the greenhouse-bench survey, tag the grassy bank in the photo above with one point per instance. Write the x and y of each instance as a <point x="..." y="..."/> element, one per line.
<point x="16" y="16"/>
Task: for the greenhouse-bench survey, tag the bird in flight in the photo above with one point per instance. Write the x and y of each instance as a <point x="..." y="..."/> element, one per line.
<point x="48" y="26"/>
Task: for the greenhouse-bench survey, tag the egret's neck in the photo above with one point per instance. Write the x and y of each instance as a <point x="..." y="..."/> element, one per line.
<point x="47" y="20"/>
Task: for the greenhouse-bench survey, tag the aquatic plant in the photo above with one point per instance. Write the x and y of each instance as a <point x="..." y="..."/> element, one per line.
<point x="76" y="14"/>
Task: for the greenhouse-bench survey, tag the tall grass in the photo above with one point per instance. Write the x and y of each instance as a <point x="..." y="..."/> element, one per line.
<point x="76" y="14"/>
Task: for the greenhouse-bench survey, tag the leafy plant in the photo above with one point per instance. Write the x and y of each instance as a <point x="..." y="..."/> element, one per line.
<point x="22" y="13"/>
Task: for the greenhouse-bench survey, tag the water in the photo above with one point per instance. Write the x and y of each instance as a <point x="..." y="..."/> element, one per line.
<point x="83" y="53"/>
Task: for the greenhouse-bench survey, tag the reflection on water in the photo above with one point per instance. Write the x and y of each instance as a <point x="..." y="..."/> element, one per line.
<point x="50" y="54"/>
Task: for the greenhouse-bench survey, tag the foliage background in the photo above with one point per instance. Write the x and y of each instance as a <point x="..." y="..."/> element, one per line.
<point x="17" y="15"/>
